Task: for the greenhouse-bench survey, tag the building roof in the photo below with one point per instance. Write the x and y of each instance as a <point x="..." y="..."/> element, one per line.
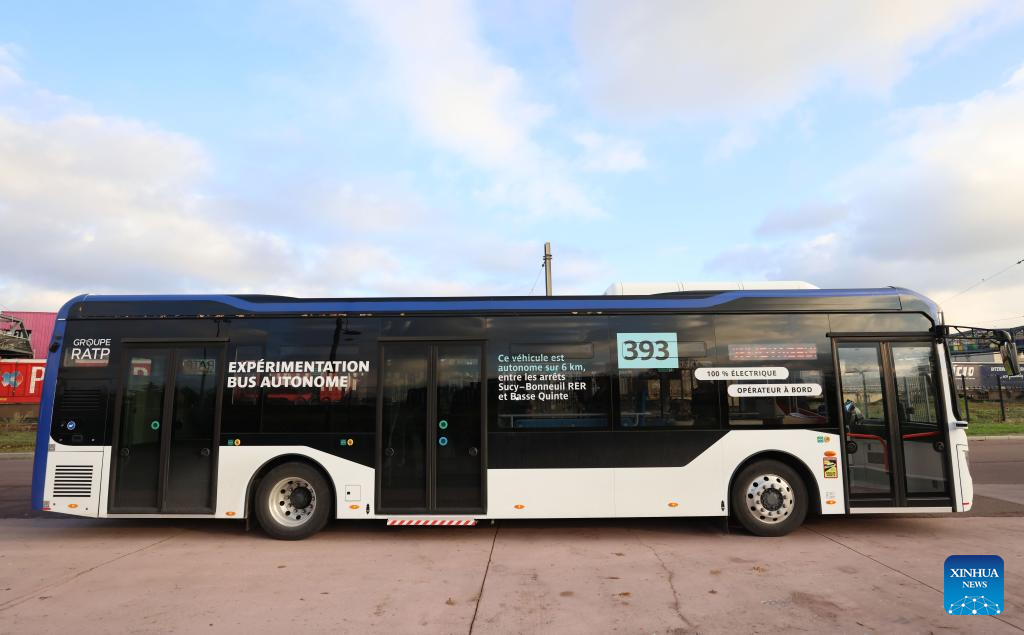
<point x="40" y="325"/>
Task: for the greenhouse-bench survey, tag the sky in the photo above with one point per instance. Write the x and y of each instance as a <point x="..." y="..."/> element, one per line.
<point x="360" y="148"/>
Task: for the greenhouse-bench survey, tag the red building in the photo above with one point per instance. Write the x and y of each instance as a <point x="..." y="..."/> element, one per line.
<point x="21" y="380"/>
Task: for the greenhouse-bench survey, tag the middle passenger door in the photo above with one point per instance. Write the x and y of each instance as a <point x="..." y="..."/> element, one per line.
<point x="430" y="428"/>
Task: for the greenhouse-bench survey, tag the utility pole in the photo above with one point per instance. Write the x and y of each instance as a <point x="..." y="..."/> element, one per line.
<point x="547" y="268"/>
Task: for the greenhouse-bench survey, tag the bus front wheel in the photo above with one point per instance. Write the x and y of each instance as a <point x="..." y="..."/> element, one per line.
<point x="769" y="498"/>
<point x="293" y="501"/>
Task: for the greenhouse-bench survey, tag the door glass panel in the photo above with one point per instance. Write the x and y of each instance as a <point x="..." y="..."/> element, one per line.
<point x="190" y="470"/>
<point x="403" y="426"/>
<point x="867" y="425"/>
<point x="458" y="447"/>
<point x="138" y="441"/>
<point x="916" y="408"/>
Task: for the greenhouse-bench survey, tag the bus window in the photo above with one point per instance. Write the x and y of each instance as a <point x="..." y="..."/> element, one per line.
<point x="667" y="394"/>
<point x="794" y="356"/>
<point x="548" y="373"/>
<point x="297" y="399"/>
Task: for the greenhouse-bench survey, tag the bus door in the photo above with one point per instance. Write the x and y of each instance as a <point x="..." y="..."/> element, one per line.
<point x="165" y="444"/>
<point x="896" y="447"/>
<point x="431" y="428"/>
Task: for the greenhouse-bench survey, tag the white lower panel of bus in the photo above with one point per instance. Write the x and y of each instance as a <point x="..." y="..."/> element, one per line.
<point x="699" y="488"/>
<point x="75" y="481"/>
<point x="816" y="450"/>
<point x="237" y="464"/>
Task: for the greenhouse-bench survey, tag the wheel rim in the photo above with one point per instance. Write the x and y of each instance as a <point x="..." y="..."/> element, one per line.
<point x="770" y="499"/>
<point x="292" y="502"/>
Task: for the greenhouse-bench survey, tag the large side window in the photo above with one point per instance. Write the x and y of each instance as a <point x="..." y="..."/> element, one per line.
<point x="548" y="372"/>
<point x="656" y="380"/>
<point x="776" y="369"/>
<point x="302" y="376"/>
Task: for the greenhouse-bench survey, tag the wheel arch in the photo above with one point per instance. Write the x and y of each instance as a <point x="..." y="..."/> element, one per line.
<point x="814" y="493"/>
<point x="281" y="459"/>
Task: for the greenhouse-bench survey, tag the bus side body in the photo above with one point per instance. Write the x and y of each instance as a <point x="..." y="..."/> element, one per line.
<point x="182" y="416"/>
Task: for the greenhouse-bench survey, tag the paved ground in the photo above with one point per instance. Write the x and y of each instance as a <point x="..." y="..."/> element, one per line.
<point x="631" y="576"/>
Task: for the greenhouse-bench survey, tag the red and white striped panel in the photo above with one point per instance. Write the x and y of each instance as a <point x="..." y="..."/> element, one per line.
<point x="432" y="521"/>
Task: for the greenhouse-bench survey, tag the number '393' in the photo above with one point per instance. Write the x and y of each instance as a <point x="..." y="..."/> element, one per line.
<point x="646" y="349"/>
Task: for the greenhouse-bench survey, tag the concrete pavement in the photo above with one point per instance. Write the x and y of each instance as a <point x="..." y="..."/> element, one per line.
<point x="881" y="574"/>
<point x="844" y="575"/>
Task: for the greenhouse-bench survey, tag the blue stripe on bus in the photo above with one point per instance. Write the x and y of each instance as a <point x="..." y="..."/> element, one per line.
<point x="498" y="304"/>
<point x="46" y="407"/>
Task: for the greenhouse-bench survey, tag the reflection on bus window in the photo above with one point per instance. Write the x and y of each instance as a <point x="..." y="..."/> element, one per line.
<point x="671" y="396"/>
<point x="284" y="402"/>
<point x="549" y="373"/>
<point x="658" y="398"/>
<point x="797" y="343"/>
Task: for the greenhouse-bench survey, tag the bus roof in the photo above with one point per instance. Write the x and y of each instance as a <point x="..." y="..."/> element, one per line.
<point x="888" y="299"/>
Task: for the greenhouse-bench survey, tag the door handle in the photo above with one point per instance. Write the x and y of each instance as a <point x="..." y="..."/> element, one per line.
<point x="389" y="451"/>
<point x="473" y="451"/>
<point x="205" y="452"/>
<point x="125" y="452"/>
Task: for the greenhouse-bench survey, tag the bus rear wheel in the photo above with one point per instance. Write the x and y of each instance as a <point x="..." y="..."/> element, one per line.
<point x="769" y="498"/>
<point x="293" y="501"/>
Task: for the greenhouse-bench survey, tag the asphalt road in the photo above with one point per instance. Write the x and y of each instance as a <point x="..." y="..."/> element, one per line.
<point x="861" y="574"/>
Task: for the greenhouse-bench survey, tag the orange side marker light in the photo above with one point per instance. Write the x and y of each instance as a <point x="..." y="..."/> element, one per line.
<point x="353" y="506"/>
<point x="229" y="513"/>
<point x="518" y="506"/>
<point x="830" y="452"/>
<point x="673" y="504"/>
<point x="73" y="505"/>
<point x="830" y="502"/>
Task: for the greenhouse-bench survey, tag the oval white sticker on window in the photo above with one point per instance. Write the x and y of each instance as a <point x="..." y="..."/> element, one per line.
<point x="739" y="374"/>
<point x="774" y="390"/>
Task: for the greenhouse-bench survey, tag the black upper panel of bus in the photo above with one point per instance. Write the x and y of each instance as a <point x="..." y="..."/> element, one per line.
<point x="840" y="300"/>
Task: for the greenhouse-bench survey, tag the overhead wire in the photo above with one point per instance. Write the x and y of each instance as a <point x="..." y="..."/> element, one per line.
<point x="1003" y="319"/>
<point x="984" y="280"/>
<point x="536" y="279"/>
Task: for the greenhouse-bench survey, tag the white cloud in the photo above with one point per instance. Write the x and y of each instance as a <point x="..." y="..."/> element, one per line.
<point x="456" y="93"/>
<point x="802" y="220"/>
<point x="754" y="59"/>
<point x="1017" y="79"/>
<point x="102" y="204"/>
<point x="940" y="208"/>
<point x="8" y="72"/>
<point x="602" y="153"/>
<point x="734" y="142"/>
<point x="93" y="203"/>
<point x="464" y="101"/>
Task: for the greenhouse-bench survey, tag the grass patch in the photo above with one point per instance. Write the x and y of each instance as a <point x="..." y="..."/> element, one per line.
<point x="17" y="437"/>
<point x="985" y="418"/>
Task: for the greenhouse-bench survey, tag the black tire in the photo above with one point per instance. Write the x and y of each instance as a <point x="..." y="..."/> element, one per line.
<point x="292" y="502"/>
<point x="769" y="498"/>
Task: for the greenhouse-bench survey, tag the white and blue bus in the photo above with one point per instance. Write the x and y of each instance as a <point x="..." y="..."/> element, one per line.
<point x="763" y="405"/>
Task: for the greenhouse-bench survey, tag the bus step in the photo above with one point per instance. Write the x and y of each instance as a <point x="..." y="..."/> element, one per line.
<point x="461" y="522"/>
